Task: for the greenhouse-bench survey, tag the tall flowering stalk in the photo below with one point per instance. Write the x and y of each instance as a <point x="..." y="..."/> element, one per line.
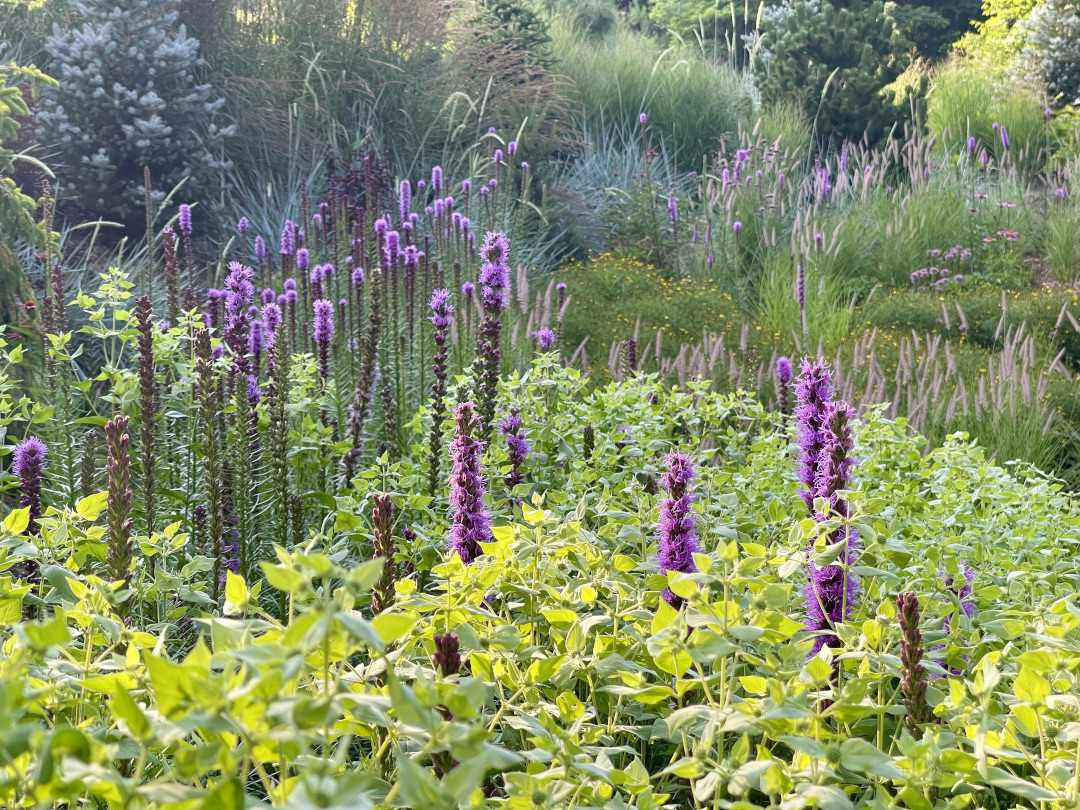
<point x="184" y="221"/>
<point x="495" y="283"/>
<point x="389" y="443"/>
<point x="813" y="391"/>
<point x="517" y="447"/>
<point x="912" y="672"/>
<point x="677" y="539"/>
<point x="119" y="547"/>
<point x="206" y="382"/>
<point x="784" y="376"/>
<point x="172" y="276"/>
<point x="88" y="465"/>
<point x="382" y="522"/>
<point x="148" y="404"/>
<point x="29" y="462"/>
<point x="365" y="381"/>
<point x="442" y="316"/>
<point x="277" y="400"/>
<point x="470" y="522"/>
<point x="833" y="591"/>
<point x="323" y="332"/>
<point x="800" y="293"/>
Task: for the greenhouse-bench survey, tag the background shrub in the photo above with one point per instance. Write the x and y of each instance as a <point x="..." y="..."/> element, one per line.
<point x="129" y="97"/>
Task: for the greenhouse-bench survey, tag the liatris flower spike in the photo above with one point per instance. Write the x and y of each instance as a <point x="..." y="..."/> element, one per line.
<point x="447" y="658"/>
<point x="677" y="539"/>
<point x="28" y="463"/>
<point x="813" y="392"/>
<point x="470" y="523"/>
<point x="784" y="375"/>
<point x="912" y="672"/>
<point x="323" y="333"/>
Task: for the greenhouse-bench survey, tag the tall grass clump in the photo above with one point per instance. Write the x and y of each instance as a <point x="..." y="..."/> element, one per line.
<point x="692" y="104"/>
<point x="968" y="99"/>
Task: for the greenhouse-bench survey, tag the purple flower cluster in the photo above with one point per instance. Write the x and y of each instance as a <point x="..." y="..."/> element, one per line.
<point x="517" y="447"/>
<point x="29" y="462"/>
<point x="323" y="333"/>
<point x="545" y="339"/>
<point x="470" y="522"/>
<point x="825" y="462"/>
<point x="677" y="538"/>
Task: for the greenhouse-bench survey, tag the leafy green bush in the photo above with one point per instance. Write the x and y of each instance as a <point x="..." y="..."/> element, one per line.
<point x="568" y="680"/>
<point x="837" y="61"/>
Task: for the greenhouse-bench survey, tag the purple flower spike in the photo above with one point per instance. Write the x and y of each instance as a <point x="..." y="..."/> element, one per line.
<point x="813" y="392"/>
<point x="677" y="539"/>
<point x="673" y="208"/>
<point x="405" y="199"/>
<point x="545" y="339"/>
<point x="28" y="463"/>
<point x="517" y="447"/>
<point x="243" y="225"/>
<point x="185" y="219"/>
<point x="323" y="332"/>
<point x="1004" y="138"/>
<point x="971" y="143"/>
<point x="260" y="249"/>
<point x="470" y="523"/>
<point x="303" y="259"/>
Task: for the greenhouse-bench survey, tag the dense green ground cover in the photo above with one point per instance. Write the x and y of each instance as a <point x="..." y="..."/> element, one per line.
<point x="579" y="686"/>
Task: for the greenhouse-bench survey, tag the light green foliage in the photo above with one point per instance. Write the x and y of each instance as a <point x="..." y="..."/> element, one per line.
<point x="968" y="97"/>
<point x="582" y="687"/>
<point x="692" y="105"/>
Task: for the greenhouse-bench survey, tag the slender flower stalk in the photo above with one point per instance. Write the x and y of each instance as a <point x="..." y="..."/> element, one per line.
<point x="517" y="447"/>
<point x="495" y="284"/>
<point x="442" y="316"/>
<point x="277" y="400"/>
<point x="184" y="221"/>
<point x="207" y="393"/>
<point x="172" y="276"/>
<point x="784" y="376"/>
<point x="470" y="522"/>
<point x="88" y="465"/>
<point x="389" y="444"/>
<point x="677" y="538"/>
<point x="323" y="332"/>
<point x="148" y="406"/>
<point x="800" y="292"/>
<point x="29" y="462"/>
<point x="365" y="381"/>
<point x="588" y="442"/>
<point x="382" y="522"/>
<point x="119" y="547"/>
<point x="813" y="392"/>
<point x="912" y="672"/>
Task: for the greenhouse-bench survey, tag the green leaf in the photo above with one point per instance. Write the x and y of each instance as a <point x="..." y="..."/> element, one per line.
<point x="392" y="627"/>
<point x="856" y="754"/>
<point x="124" y="708"/>
<point x="17" y="521"/>
<point x="1031" y="688"/>
<point x="236" y="593"/>
<point x="90" y="507"/>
